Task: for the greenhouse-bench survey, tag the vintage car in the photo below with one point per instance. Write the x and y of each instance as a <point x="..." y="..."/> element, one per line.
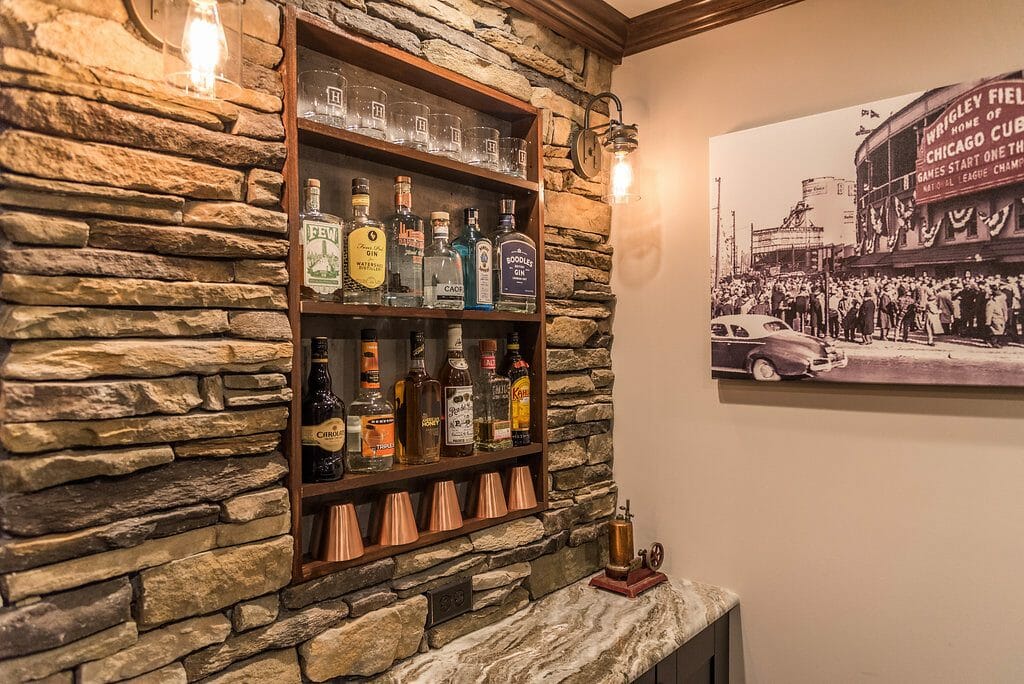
<point x="768" y="349"/>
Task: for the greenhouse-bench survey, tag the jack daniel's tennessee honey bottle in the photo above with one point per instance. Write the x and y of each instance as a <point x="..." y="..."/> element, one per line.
<point x="323" y="421"/>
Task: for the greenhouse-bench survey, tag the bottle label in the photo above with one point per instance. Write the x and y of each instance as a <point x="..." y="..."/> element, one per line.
<point x="328" y="435"/>
<point x="518" y="269"/>
<point x="496" y="431"/>
<point x="521" y="404"/>
<point x="411" y="239"/>
<point x="366" y="256"/>
<point x="483" y="273"/>
<point x="460" y="363"/>
<point x="458" y="415"/>
<point x="369" y="366"/>
<point x="448" y="292"/>
<point x="377" y="436"/>
<point x="322" y="253"/>
<point x="488" y="362"/>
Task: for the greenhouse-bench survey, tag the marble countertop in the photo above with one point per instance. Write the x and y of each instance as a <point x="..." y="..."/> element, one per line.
<point x="577" y="634"/>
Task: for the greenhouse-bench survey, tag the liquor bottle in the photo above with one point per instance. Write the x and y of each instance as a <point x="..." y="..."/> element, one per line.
<point x="417" y="410"/>
<point x="457" y="413"/>
<point x="321" y="249"/>
<point x="323" y="421"/>
<point x="371" y="420"/>
<point x="492" y="427"/>
<point x="476" y="253"/>
<point x="405" y="249"/>
<point x="518" y="372"/>
<point x="515" y="264"/>
<point x="365" y="250"/>
<point x="442" y="268"/>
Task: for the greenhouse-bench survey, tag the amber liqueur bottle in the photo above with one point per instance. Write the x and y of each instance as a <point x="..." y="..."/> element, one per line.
<point x="323" y="422"/>
<point x="417" y="410"/>
<point x="457" y="386"/>
<point x="517" y="370"/>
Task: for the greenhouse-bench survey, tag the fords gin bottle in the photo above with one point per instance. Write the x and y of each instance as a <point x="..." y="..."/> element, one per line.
<point x="323" y="422"/>
<point x="515" y="264"/>
<point x="365" y="250"/>
<point x="475" y="251"/>
<point x="405" y="249"/>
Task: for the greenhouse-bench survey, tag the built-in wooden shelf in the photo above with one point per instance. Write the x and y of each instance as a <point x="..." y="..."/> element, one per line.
<point x="400" y="473"/>
<point x="322" y="136"/>
<point x="311" y="569"/>
<point x="313" y="308"/>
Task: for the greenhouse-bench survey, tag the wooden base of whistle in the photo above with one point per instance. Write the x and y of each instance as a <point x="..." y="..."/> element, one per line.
<point x="636" y="583"/>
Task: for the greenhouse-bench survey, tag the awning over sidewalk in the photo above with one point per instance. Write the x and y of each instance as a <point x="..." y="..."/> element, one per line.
<point x="998" y="250"/>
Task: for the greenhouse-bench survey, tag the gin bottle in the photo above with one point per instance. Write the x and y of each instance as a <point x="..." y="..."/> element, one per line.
<point x="457" y="412"/>
<point x="417" y="410"/>
<point x="492" y="428"/>
<point x="518" y="372"/>
<point x="515" y="264"/>
<point x="323" y="421"/>
<point x="370" y="438"/>
<point x="365" y="250"/>
<point x="476" y="253"/>
<point x="405" y="249"/>
<point x="321" y="248"/>
<point x="442" y="268"/>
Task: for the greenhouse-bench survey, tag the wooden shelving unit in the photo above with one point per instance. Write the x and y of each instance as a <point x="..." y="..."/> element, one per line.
<point x="348" y="151"/>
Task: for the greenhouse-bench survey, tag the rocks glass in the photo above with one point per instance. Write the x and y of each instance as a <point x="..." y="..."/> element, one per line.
<point x="410" y="124"/>
<point x="446" y="135"/>
<point x="513" y="156"/>
<point x="322" y="97"/>
<point x="481" y="147"/>
<point x="367" y="111"/>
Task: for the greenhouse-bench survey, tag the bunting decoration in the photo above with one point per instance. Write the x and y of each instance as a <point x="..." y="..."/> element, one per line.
<point x="929" y="233"/>
<point x="869" y="244"/>
<point x="960" y="217"/>
<point x="893" y="240"/>
<point x="904" y="212"/>
<point x="876" y="221"/>
<point x="996" y="221"/>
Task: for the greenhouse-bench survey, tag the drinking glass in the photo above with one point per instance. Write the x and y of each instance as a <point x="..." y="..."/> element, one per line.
<point x="446" y="135"/>
<point x="409" y="124"/>
<point x="513" y="156"/>
<point x="367" y="111"/>
<point x="481" y="148"/>
<point x="322" y="97"/>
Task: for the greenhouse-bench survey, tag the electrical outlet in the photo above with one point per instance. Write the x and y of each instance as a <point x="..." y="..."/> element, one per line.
<point x="449" y="601"/>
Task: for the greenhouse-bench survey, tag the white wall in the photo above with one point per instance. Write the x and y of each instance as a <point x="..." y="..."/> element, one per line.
<point x="874" y="534"/>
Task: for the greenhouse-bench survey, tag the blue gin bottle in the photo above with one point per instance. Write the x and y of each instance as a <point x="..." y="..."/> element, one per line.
<point x="515" y="264"/>
<point x="477" y="257"/>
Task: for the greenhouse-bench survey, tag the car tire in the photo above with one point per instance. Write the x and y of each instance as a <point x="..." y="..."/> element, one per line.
<point x="764" y="371"/>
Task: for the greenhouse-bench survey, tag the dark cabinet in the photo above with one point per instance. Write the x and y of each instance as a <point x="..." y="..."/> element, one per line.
<point x="704" y="659"/>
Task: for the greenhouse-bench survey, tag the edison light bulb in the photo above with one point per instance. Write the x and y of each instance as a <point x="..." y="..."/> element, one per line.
<point x="204" y="46"/>
<point x="621" y="179"/>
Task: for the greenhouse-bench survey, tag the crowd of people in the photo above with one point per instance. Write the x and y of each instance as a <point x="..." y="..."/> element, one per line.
<point x="863" y="309"/>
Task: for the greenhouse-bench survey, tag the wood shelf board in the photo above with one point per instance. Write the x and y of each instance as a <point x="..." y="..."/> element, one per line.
<point x="313" y="308"/>
<point x="400" y="473"/>
<point x="311" y="569"/>
<point x="322" y="136"/>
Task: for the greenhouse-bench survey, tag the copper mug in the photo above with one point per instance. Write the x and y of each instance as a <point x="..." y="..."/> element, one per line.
<point x="397" y="521"/>
<point x="336" y="534"/>
<point x="521" y="494"/>
<point x="445" y="512"/>
<point x="490" y="498"/>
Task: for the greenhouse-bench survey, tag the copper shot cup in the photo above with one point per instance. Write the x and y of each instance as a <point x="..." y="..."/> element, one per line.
<point x="521" y="494"/>
<point x="490" y="500"/>
<point x="445" y="512"/>
<point x="398" y="523"/>
<point x="338" y="537"/>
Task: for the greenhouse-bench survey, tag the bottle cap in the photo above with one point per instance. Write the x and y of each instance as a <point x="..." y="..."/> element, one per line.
<point x="368" y="335"/>
<point x="507" y="205"/>
<point x="403" y="179"/>
<point x="312" y="182"/>
<point x="417" y="341"/>
<point x="471" y="214"/>
<point x="360" y="186"/>
<point x="439" y="216"/>
<point x="488" y="346"/>
<point x="513" y="338"/>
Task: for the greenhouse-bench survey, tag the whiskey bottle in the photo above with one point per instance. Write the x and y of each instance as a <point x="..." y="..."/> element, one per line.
<point x="365" y="250"/>
<point x="475" y="250"/>
<point x="417" y="410"/>
<point x="442" y="268"/>
<point x="405" y="249"/>
<point x="321" y="248"/>
<point x="371" y="419"/>
<point x="457" y="385"/>
<point x="515" y="264"/>
<point x="323" y="421"/>
<point x="492" y="428"/>
<point x="518" y="372"/>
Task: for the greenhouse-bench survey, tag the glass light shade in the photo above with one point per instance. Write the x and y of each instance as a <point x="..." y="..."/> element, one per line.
<point x="203" y="46"/>
<point x="620" y="182"/>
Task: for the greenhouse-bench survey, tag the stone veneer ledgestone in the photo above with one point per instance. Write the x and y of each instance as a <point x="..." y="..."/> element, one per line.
<point x="147" y="352"/>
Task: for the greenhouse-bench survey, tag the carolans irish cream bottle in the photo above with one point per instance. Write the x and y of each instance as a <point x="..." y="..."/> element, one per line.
<point x="323" y="422"/>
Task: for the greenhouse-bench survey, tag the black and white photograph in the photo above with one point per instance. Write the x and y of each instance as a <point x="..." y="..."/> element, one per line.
<point x="881" y="243"/>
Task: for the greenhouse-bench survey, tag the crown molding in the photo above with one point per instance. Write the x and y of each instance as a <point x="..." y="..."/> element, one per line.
<point x="597" y="25"/>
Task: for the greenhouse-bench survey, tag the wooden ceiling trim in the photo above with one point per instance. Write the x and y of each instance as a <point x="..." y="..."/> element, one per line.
<point x="592" y="23"/>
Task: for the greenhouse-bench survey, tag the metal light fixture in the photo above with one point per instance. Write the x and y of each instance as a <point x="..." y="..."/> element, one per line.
<point x="201" y="42"/>
<point x="618" y="139"/>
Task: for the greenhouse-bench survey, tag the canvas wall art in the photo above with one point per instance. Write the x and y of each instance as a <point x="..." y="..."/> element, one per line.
<point x="882" y="243"/>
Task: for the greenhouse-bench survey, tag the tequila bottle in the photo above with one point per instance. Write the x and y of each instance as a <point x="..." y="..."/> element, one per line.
<point x="515" y="264"/>
<point x="492" y="428"/>
<point x="323" y="421"/>
<point x="476" y="253"/>
<point x="417" y="410"/>
<point x="365" y="250"/>
<point x="370" y="442"/>
<point x="457" y="413"/>
<point x="442" y="268"/>
<point x="405" y="249"/>
<point x="321" y="248"/>
<point x="518" y="372"/>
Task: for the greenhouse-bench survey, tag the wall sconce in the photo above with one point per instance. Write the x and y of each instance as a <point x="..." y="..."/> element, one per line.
<point x="201" y="42"/>
<point x="619" y="139"/>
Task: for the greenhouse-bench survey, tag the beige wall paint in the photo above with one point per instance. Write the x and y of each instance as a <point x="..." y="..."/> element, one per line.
<point x="875" y="534"/>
